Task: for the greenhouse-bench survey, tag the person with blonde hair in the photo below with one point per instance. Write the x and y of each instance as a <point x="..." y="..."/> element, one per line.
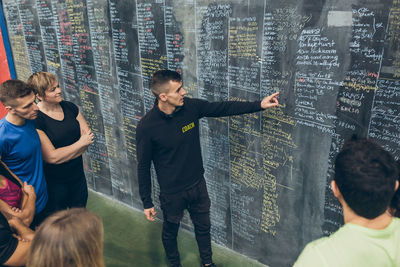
<point x="68" y="238"/>
<point x="64" y="136"/>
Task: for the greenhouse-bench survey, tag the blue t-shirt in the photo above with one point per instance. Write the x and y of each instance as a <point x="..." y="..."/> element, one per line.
<point x="20" y="150"/>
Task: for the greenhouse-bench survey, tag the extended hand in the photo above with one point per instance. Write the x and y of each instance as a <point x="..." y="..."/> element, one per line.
<point x="270" y="101"/>
<point x="150" y="214"/>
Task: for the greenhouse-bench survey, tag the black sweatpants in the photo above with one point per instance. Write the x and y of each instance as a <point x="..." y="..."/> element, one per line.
<point x="197" y="202"/>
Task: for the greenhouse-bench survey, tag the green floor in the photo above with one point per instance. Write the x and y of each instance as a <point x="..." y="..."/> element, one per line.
<point x="130" y="240"/>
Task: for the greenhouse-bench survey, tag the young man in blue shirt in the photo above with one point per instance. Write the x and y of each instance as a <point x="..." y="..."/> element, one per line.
<point x="20" y="147"/>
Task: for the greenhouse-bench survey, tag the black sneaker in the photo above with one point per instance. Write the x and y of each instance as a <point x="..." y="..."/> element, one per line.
<point x="211" y="265"/>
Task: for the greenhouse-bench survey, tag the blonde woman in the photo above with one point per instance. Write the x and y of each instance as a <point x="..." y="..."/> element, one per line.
<point x="64" y="136"/>
<point x="68" y="238"/>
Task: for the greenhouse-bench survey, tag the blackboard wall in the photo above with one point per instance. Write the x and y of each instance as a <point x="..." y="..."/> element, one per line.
<point x="336" y="64"/>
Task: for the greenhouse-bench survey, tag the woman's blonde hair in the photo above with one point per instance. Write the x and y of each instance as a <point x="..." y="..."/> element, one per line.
<point x="68" y="238"/>
<point x="41" y="81"/>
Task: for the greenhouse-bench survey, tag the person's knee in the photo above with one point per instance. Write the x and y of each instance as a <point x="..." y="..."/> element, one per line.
<point x="202" y="223"/>
<point x="170" y="230"/>
<point x="203" y="228"/>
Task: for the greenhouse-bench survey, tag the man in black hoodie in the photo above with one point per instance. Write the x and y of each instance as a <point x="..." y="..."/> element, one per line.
<point x="168" y="135"/>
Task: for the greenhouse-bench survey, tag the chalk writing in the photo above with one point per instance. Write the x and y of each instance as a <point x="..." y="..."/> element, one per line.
<point x="268" y="173"/>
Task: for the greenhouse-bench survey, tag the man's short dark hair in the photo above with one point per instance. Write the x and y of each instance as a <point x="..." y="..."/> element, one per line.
<point x="161" y="78"/>
<point x="10" y="90"/>
<point x="366" y="175"/>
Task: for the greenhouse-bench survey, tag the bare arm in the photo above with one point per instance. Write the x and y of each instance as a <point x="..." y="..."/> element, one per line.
<point x="25" y="213"/>
<point x="28" y="203"/>
<point x="63" y="154"/>
<point x="6" y="209"/>
<point x="18" y="258"/>
<point x="21" y="229"/>
<point x="82" y="124"/>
